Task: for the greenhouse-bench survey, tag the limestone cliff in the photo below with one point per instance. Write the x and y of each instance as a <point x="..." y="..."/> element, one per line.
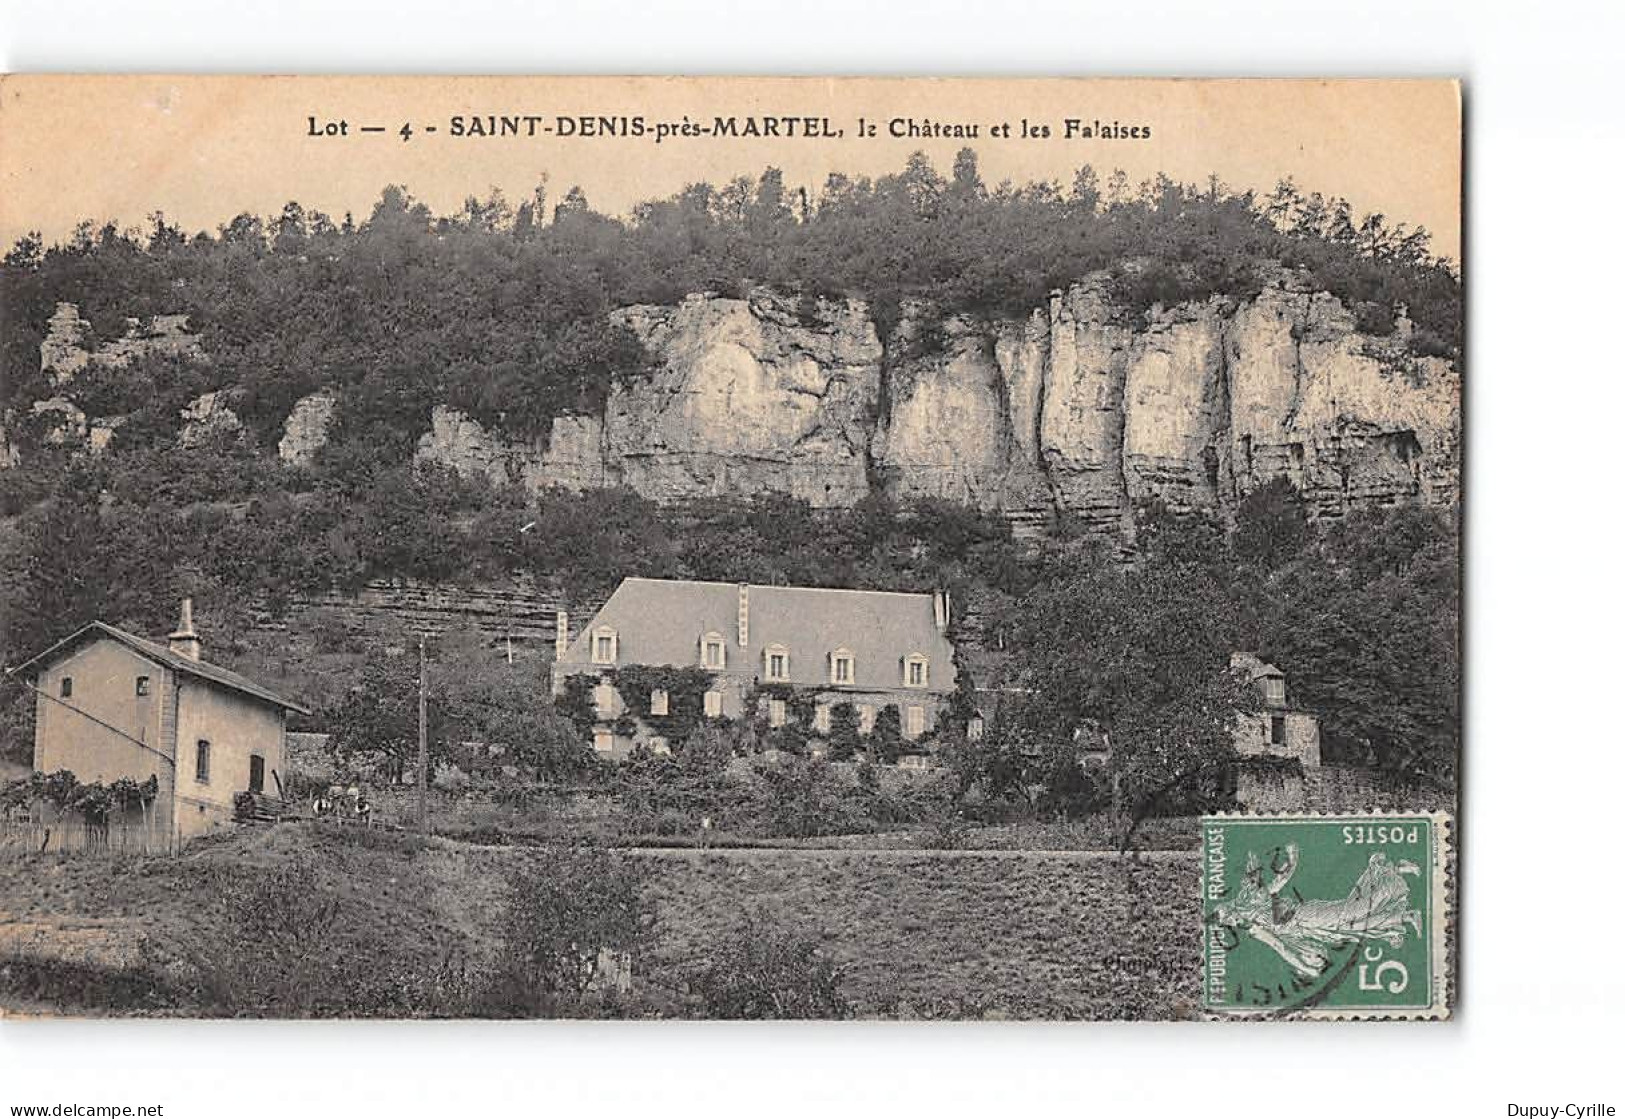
<point x="1073" y="408"/>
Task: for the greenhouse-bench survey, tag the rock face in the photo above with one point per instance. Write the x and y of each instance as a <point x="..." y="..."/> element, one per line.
<point x="1071" y="409"/>
<point x="208" y="419"/>
<point x="750" y="396"/>
<point x="66" y="352"/>
<point x="305" y="431"/>
<point x="960" y="424"/>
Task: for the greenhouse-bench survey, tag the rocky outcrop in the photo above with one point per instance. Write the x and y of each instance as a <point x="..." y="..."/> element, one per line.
<point x="961" y="424"/>
<point x="305" y="431"/>
<point x="572" y="458"/>
<point x="208" y="419"/>
<point x="1349" y="419"/>
<point x="67" y="350"/>
<point x="1081" y="418"/>
<point x="749" y="396"/>
<point x="59" y="422"/>
<point x="1074" y="408"/>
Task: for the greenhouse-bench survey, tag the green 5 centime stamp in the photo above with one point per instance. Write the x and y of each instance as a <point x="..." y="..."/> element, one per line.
<point x="1325" y="915"/>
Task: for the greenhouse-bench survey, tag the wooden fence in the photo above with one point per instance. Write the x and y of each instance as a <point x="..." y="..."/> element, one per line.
<point x="71" y="835"/>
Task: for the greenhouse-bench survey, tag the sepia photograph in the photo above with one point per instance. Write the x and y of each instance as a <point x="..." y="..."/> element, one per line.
<point x="730" y="548"/>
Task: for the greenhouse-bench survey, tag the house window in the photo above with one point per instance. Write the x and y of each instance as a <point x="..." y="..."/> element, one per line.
<point x="659" y="702"/>
<point x="143" y="685"/>
<point x="603" y="741"/>
<point x="821" y="718"/>
<point x="256" y="773"/>
<point x="842" y="668"/>
<point x="67" y="687"/>
<point x="916" y="670"/>
<point x="202" y="771"/>
<point x="713" y="651"/>
<point x="914" y="722"/>
<point x="659" y="745"/>
<point x="866" y="717"/>
<point x="1277" y="730"/>
<point x="778" y="662"/>
<point x="775" y="712"/>
<point x="1274" y="690"/>
<point x="604" y="646"/>
<point x="713" y="704"/>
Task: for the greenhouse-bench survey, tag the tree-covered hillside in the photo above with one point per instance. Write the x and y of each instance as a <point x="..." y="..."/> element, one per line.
<point x="505" y="312"/>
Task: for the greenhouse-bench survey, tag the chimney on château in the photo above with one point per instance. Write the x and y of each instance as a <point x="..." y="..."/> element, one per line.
<point x="184" y="641"/>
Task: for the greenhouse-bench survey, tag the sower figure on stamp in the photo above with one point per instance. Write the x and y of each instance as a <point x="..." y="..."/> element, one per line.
<point x="1305" y="932"/>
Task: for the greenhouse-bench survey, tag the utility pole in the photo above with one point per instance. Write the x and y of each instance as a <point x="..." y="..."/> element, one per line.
<point x="423" y="734"/>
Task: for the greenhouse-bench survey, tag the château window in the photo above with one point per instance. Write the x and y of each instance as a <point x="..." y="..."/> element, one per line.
<point x="605" y="646"/>
<point x="778" y="662"/>
<point x="143" y="685"/>
<point x="713" y="704"/>
<point x="67" y="687"/>
<point x="713" y="651"/>
<point x="202" y="771"/>
<point x="975" y="728"/>
<point x="603" y="741"/>
<point x="775" y="712"/>
<point x="866" y="717"/>
<point x="914" y="723"/>
<point x="842" y="667"/>
<point x="1277" y="730"/>
<point x="603" y="698"/>
<point x="821" y="718"/>
<point x="659" y="702"/>
<point x="916" y="670"/>
<point x="1274" y="690"/>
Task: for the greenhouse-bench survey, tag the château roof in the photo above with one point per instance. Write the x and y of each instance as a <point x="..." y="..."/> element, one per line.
<point x="163" y="655"/>
<point x="661" y="622"/>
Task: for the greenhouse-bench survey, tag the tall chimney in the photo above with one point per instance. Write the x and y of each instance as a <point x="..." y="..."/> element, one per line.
<point x="744" y="615"/>
<point x="939" y="610"/>
<point x="184" y="641"/>
<point x="561" y="635"/>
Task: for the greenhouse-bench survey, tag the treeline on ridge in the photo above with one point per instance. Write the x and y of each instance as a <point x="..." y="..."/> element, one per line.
<point x="503" y="310"/>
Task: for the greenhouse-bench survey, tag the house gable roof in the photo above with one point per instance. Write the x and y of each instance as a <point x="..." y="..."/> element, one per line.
<point x="661" y="621"/>
<point x="162" y="654"/>
<point x="1254" y="666"/>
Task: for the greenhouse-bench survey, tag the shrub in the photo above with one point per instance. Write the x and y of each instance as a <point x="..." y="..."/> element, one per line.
<point x="762" y="970"/>
<point x="568" y="914"/>
<point x="268" y="950"/>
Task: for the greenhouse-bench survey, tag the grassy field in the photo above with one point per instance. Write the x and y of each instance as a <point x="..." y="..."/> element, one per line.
<point x="916" y="933"/>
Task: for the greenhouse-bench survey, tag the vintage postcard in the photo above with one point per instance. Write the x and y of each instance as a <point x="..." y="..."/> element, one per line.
<point x="729" y="548"/>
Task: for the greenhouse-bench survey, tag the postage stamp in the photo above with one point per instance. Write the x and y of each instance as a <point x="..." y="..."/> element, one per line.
<point x="1340" y="916"/>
